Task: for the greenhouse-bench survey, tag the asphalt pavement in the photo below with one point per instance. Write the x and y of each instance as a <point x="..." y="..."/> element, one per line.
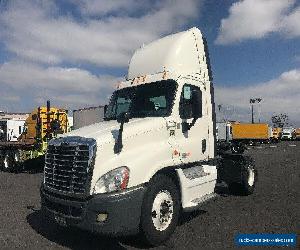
<point x="273" y="208"/>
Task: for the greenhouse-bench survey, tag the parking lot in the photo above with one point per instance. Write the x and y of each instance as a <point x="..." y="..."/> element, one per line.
<point x="273" y="208"/>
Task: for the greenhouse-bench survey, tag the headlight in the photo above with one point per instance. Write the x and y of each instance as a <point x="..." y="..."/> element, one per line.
<point x="114" y="180"/>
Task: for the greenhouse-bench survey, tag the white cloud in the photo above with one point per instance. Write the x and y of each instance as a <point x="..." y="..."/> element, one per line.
<point x="105" y="7"/>
<point x="39" y="33"/>
<point x="280" y="95"/>
<point x="297" y="58"/>
<point x="43" y="37"/>
<point x="71" y="87"/>
<point x="255" y="19"/>
<point x="20" y="75"/>
<point x="10" y="98"/>
<point x="291" y="23"/>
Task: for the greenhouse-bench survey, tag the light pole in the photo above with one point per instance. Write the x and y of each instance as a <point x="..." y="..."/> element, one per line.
<point x="252" y="102"/>
<point x="219" y="108"/>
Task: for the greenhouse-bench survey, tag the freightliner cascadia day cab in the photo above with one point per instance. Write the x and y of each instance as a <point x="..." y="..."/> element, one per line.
<point x="153" y="156"/>
<point x="288" y="133"/>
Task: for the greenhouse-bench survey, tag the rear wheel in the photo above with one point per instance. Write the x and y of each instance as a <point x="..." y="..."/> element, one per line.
<point x="160" y="210"/>
<point x="7" y="163"/>
<point x="248" y="181"/>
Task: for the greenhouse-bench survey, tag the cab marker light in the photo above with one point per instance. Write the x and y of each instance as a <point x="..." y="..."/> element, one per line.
<point x="175" y="152"/>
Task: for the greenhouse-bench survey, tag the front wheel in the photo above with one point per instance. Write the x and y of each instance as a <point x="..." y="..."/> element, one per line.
<point x="160" y="210"/>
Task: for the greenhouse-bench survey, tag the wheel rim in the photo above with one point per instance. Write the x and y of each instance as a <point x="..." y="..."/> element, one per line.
<point x="251" y="177"/>
<point x="6" y="162"/>
<point x="162" y="210"/>
<point x="16" y="157"/>
<point x="234" y="149"/>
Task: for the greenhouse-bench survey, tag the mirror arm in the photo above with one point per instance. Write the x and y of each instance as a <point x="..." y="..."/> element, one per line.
<point x="119" y="144"/>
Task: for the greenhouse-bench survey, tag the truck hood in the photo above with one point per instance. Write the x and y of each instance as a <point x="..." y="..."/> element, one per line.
<point x="107" y="131"/>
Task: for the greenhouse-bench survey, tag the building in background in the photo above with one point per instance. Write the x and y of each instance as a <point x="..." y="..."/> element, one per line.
<point x="13" y="116"/>
<point x="87" y="116"/>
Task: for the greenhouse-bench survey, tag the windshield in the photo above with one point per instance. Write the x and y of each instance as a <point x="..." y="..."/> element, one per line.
<point x="150" y="99"/>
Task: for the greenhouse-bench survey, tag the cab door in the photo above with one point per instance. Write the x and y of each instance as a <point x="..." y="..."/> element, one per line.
<point x="192" y="137"/>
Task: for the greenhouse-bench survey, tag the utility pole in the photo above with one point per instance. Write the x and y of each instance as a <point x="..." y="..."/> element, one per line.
<point x="252" y="101"/>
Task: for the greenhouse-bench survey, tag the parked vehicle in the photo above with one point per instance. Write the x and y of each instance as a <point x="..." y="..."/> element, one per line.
<point x="153" y="156"/>
<point x="276" y="134"/>
<point x="288" y="133"/>
<point x="298" y="134"/>
<point x="223" y="131"/>
<point x="43" y="124"/>
<point x="250" y="133"/>
<point x="11" y="129"/>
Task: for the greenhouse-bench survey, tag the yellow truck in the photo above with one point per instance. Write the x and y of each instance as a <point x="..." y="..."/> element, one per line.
<point x="43" y="124"/>
<point x="276" y="134"/>
<point x="250" y="133"/>
<point x="297" y="133"/>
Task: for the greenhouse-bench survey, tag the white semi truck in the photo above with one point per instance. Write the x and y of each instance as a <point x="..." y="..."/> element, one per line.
<point x="288" y="133"/>
<point x="153" y="156"/>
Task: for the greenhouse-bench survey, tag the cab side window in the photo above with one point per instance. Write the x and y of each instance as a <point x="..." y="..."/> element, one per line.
<point x="188" y="94"/>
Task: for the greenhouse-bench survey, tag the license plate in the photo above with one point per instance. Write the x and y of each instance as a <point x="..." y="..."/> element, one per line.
<point x="60" y="220"/>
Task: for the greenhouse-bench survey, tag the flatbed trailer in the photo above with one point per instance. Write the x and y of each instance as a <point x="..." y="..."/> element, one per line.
<point x="43" y="124"/>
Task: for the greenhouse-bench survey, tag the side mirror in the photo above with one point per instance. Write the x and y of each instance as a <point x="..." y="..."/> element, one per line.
<point x="123" y="117"/>
<point x="197" y="104"/>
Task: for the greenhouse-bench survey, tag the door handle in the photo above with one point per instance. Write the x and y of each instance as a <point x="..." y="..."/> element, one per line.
<point x="203" y="145"/>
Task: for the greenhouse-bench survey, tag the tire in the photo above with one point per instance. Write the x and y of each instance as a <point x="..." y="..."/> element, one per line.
<point x="234" y="149"/>
<point x="238" y="148"/>
<point x="247" y="181"/>
<point x="162" y="196"/>
<point x="8" y="163"/>
<point x="248" y="178"/>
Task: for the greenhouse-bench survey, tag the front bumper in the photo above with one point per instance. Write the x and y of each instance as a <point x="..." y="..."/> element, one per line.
<point x="123" y="210"/>
<point x="286" y="138"/>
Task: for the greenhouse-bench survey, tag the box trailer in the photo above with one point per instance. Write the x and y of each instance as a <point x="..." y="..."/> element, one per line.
<point x="223" y="131"/>
<point x="250" y="132"/>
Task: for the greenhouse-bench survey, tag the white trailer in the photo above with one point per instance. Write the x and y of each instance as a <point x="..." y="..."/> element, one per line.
<point x="223" y="131"/>
<point x="153" y="156"/>
<point x="10" y="130"/>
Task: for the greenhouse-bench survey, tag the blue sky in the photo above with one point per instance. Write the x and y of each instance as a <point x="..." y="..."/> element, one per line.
<point x="74" y="51"/>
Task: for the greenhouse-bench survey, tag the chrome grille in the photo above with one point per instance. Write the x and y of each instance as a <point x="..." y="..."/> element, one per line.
<point x="68" y="164"/>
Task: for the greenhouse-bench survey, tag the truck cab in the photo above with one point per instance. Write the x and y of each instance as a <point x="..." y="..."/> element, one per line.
<point x="154" y="154"/>
<point x="288" y="133"/>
